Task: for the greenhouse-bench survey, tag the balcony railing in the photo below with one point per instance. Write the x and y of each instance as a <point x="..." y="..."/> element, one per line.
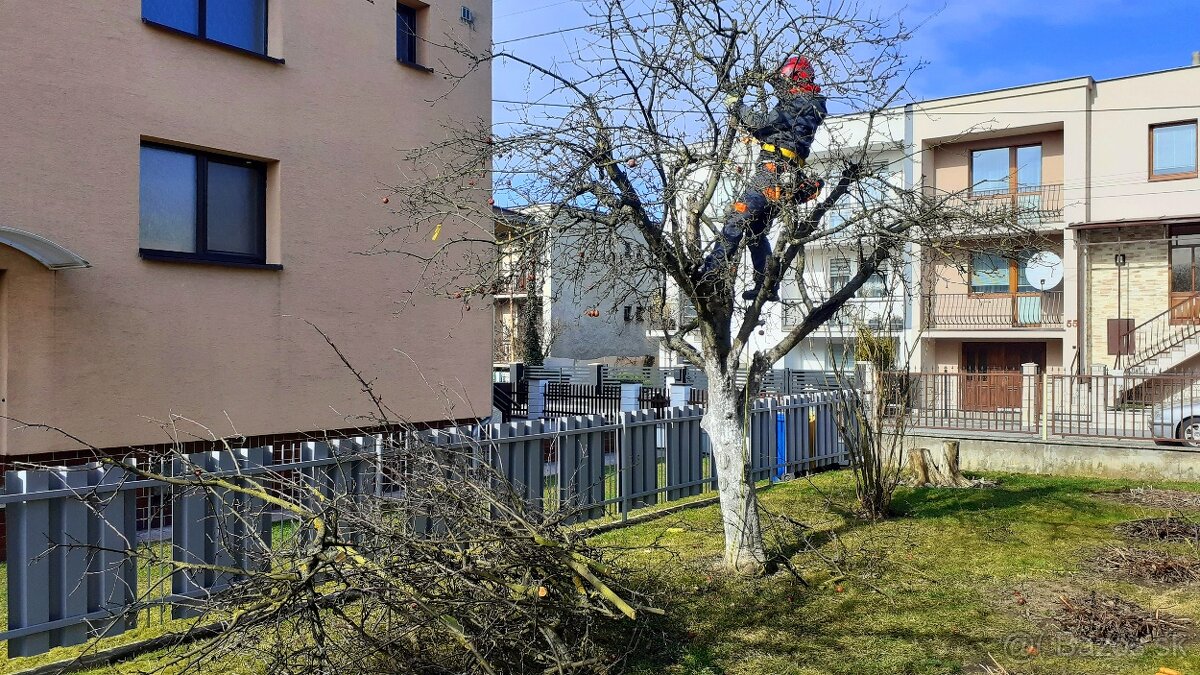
<point x="1030" y="204"/>
<point x="883" y="314"/>
<point x="973" y="310"/>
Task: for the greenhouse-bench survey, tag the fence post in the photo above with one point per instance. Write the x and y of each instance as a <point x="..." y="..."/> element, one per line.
<point x="680" y="395"/>
<point x="1029" y="395"/>
<point x="598" y="374"/>
<point x="29" y="570"/>
<point x="864" y="372"/>
<point x="537" y="399"/>
<point x="624" y="465"/>
<point x="631" y="393"/>
<point x="1047" y="404"/>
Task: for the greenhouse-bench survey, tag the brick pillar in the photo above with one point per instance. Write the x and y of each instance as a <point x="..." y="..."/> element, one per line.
<point x="1029" y="394"/>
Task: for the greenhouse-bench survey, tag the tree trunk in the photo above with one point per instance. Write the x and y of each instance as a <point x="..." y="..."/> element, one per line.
<point x="953" y="472"/>
<point x="919" y="466"/>
<point x="744" y="551"/>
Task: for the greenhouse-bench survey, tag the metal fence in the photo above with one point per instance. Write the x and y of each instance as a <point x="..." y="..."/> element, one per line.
<point x="989" y="401"/>
<point x="564" y="399"/>
<point x="71" y="577"/>
<point x="1113" y="406"/>
<point x="1125" y="406"/>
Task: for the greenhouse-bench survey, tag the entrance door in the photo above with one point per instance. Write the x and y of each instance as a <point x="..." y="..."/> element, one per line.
<point x="993" y="373"/>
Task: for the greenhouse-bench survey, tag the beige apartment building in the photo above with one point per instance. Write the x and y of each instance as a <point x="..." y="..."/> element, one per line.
<point x="184" y="185"/>
<point x="1103" y="176"/>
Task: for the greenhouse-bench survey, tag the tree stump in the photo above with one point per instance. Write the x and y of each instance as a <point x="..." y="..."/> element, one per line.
<point x="929" y="473"/>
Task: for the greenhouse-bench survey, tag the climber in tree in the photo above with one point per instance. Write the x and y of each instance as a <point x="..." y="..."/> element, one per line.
<point x="785" y="135"/>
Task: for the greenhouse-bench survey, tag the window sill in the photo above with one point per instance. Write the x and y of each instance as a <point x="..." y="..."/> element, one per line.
<point x="169" y="256"/>
<point x="1173" y="176"/>
<point x="224" y="45"/>
<point x="414" y="66"/>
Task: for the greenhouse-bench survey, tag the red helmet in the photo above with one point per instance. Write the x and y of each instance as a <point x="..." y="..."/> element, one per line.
<point x="797" y="69"/>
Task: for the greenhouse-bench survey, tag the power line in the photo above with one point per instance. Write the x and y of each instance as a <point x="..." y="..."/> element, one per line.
<point x="898" y="111"/>
<point x="534" y="9"/>
<point x="575" y="28"/>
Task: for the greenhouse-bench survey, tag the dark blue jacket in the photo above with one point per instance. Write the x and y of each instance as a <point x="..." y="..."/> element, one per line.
<point x="791" y="124"/>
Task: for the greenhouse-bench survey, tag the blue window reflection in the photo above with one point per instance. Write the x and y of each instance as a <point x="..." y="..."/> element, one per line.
<point x="181" y="14"/>
<point x="240" y="23"/>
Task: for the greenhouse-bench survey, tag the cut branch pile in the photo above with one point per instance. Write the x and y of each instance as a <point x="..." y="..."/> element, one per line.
<point x="1160" y="529"/>
<point x="1116" y="622"/>
<point x="448" y="571"/>
<point x="1157" y="498"/>
<point x="1147" y="564"/>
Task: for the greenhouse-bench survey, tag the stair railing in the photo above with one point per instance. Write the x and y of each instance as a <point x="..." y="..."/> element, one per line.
<point x="1160" y="333"/>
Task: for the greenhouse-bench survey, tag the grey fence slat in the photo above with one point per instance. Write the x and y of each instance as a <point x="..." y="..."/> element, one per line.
<point x="349" y="480"/>
<point x="28" y="529"/>
<point x="639" y="460"/>
<point x="313" y="480"/>
<point x="112" y="575"/>
<point x="684" y="455"/>
<point x="520" y="459"/>
<point x="581" y="468"/>
<point x="68" y="560"/>
<point x="803" y="432"/>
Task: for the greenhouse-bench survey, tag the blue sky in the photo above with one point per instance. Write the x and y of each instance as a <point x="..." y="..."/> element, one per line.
<point x="970" y="45"/>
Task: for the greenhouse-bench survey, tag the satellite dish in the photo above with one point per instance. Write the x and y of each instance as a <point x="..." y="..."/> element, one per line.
<point x="1044" y="270"/>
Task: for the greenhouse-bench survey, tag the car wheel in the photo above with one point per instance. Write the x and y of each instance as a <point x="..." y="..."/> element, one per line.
<point x="1189" y="431"/>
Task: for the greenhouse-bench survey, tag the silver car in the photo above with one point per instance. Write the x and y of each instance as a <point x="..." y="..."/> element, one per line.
<point x="1180" y="422"/>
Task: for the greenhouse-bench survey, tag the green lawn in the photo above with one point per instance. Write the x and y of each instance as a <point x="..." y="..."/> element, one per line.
<point x="943" y="573"/>
<point x="930" y="591"/>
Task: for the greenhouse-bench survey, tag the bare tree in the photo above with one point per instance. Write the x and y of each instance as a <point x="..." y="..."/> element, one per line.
<point x="627" y="139"/>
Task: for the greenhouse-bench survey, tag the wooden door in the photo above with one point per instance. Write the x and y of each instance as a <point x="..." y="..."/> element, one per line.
<point x="992" y="373"/>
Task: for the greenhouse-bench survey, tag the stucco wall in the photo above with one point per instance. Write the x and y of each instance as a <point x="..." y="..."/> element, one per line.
<point x="1120" y="151"/>
<point x="99" y="351"/>
<point x="952" y="161"/>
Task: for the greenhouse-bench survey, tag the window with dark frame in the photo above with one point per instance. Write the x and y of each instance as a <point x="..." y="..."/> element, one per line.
<point x="238" y="23"/>
<point x="201" y="206"/>
<point x="839" y="274"/>
<point x="639" y="314"/>
<point x="406" y="34"/>
<point x="1173" y="150"/>
<point x="875" y="286"/>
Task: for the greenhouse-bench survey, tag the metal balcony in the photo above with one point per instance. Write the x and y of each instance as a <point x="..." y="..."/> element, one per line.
<point x="980" y="310"/>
